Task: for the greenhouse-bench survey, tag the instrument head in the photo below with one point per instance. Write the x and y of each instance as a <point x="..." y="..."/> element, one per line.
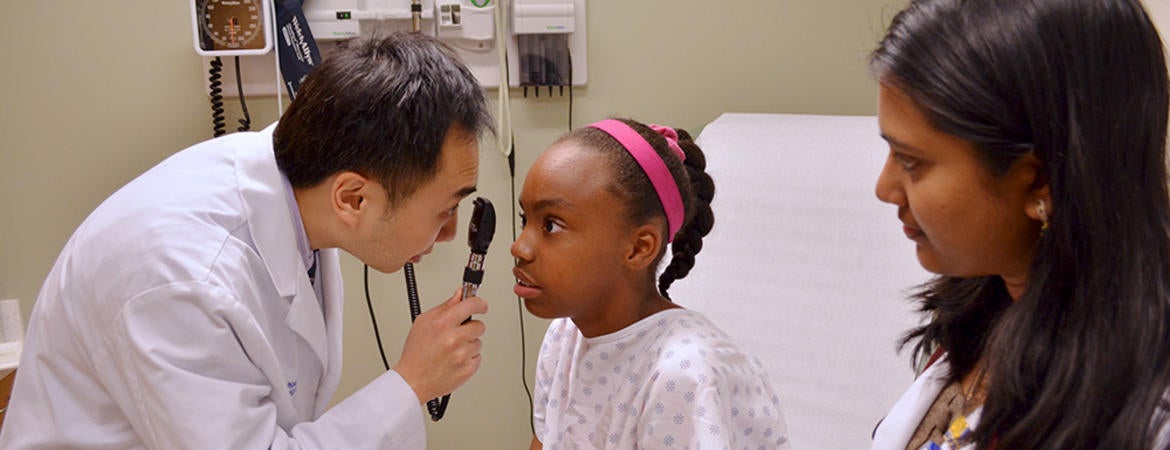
<point x="483" y="226"/>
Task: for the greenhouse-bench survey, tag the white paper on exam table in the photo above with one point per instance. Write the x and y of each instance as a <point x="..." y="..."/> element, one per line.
<point x="807" y="270"/>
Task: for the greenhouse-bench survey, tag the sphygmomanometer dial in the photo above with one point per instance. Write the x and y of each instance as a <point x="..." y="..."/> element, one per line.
<point x="231" y="24"/>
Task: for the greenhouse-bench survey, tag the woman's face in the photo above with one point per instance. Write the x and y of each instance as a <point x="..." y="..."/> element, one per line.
<point x="965" y="221"/>
<point x="569" y="255"/>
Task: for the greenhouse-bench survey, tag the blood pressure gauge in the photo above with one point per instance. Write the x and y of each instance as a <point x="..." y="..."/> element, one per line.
<point x="231" y="27"/>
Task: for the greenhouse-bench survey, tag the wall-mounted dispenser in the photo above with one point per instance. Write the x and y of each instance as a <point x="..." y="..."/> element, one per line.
<point x="542" y="29"/>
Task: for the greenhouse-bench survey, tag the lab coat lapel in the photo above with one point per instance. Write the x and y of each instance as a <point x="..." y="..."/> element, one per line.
<point x="305" y="318"/>
<point x="272" y="229"/>
<point x="333" y="293"/>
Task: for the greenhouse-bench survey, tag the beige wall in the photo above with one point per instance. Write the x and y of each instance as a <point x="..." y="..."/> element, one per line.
<point x="1160" y="10"/>
<point x="93" y="93"/>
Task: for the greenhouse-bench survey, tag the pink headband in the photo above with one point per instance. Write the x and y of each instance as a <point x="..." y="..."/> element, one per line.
<point x="653" y="166"/>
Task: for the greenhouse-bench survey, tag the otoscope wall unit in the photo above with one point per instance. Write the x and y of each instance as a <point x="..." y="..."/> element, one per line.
<point x="545" y="40"/>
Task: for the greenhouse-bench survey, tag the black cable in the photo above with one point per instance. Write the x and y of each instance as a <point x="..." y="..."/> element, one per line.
<point x="506" y="84"/>
<point x="246" y="122"/>
<point x="213" y="85"/>
<point x="519" y="301"/>
<point x="569" y="54"/>
<point x="374" y="320"/>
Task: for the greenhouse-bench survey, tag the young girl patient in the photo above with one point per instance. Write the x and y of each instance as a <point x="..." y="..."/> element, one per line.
<point x="622" y="366"/>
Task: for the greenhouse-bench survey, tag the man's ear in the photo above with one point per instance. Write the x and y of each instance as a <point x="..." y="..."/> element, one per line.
<point x="349" y="197"/>
<point x="645" y="243"/>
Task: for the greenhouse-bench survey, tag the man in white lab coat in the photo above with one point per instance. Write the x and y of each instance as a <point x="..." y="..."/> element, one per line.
<point x="200" y="305"/>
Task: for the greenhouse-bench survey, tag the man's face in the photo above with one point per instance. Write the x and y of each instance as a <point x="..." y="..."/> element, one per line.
<point x="392" y="236"/>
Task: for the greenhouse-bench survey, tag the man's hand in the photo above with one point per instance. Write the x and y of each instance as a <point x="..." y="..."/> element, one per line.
<point x="442" y="351"/>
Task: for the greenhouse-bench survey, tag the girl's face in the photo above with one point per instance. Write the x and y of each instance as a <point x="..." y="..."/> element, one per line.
<point x="569" y="255"/>
<point x="965" y="221"/>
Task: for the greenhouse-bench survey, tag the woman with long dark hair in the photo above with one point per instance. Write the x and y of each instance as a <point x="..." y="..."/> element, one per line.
<point x="1028" y="164"/>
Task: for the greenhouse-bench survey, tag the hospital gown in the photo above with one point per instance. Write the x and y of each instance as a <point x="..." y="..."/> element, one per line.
<point x="671" y="380"/>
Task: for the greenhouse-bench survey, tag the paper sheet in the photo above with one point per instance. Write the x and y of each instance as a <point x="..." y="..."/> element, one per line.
<point x="807" y="270"/>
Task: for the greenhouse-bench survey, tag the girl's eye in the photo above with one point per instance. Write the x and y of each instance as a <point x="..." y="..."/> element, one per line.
<point x="523" y="220"/>
<point x="551" y="227"/>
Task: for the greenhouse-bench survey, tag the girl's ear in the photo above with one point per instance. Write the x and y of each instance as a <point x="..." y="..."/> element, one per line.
<point x="647" y="240"/>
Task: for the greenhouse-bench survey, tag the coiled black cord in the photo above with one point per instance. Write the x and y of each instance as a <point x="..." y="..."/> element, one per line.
<point x="435" y="406"/>
<point x="411" y="291"/>
<point x="213" y="84"/>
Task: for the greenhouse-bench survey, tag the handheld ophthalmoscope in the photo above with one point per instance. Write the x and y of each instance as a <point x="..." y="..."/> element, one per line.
<point x="479" y="237"/>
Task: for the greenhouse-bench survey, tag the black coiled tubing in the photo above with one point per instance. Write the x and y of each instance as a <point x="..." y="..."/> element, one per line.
<point x="435" y="406"/>
<point x="214" y="85"/>
<point x="411" y="291"/>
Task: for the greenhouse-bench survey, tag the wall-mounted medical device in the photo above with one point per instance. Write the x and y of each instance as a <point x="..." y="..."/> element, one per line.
<point x="470" y="20"/>
<point x="545" y="39"/>
<point x="231" y="27"/>
<point x="542" y="29"/>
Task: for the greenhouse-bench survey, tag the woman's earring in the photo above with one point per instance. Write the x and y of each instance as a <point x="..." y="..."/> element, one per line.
<point x="1042" y="211"/>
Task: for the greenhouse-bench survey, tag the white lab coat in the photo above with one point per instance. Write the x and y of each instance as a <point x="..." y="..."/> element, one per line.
<point x="896" y="429"/>
<point x="179" y="315"/>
